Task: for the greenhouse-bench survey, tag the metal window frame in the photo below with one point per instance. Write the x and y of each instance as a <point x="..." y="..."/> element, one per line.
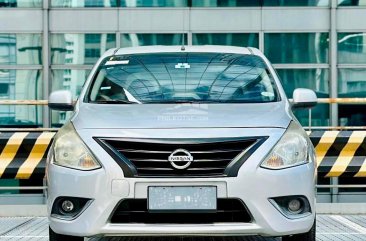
<point x="22" y="67"/>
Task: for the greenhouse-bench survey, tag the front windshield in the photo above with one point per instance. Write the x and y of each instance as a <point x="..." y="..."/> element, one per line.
<point x="183" y="77"/>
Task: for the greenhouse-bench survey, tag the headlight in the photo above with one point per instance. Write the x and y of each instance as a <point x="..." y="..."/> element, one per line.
<point x="70" y="151"/>
<point x="291" y="150"/>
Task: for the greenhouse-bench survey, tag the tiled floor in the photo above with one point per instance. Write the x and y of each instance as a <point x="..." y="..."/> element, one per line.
<point x="329" y="228"/>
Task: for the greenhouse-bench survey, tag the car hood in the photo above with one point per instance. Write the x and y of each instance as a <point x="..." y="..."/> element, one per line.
<point x="162" y="116"/>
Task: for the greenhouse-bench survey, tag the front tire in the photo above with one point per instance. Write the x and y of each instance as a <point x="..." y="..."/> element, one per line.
<point x="59" y="237"/>
<point x="309" y="236"/>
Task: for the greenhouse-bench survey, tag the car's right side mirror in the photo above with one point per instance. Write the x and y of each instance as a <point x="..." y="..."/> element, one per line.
<point x="304" y="98"/>
<point x="61" y="100"/>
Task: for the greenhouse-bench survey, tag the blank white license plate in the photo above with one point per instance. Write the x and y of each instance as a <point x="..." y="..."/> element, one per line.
<point x="171" y="199"/>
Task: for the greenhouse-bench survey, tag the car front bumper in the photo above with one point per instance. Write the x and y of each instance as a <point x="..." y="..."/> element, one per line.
<point x="254" y="186"/>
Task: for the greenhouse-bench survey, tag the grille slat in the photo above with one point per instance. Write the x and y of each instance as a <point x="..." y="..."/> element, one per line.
<point x="166" y="161"/>
<point x="147" y="160"/>
<point x="163" y="156"/>
<point x="168" y="152"/>
<point x="171" y="169"/>
<point x="143" y="165"/>
<point x="143" y="151"/>
<point x="155" y="169"/>
<point x="150" y="157"/>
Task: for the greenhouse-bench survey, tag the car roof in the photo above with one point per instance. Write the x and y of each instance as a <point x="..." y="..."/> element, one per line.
<point x="179" y="48"/>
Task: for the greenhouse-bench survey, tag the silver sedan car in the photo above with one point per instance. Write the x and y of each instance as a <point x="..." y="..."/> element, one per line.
<point x="182" y="141"/>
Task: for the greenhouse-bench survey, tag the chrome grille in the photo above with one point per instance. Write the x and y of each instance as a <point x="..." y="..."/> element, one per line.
<point x="149" y="157"/>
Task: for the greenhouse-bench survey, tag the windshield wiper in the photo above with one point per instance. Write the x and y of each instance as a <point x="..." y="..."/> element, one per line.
<point x="114" y="102"/>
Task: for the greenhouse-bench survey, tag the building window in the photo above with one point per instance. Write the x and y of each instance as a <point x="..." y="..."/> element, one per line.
<point x="192" y="3"/>
<point x="352" y="83"/>
<point x="83" y="3"/>
<point x="226" y="3"/>
<point x="93" y="39"/>
<point x="297" y="47"/>
<point x="154" y="3"/>
<point x="4" y="90"/>
<point x="231" y="39"/>
<point x="296" y="3"/>
<point x="18" y="82"/>
<point x="21" y="3"/>
<point x="20" y="85"/>
<point x="351" y="48"/>
<point x="143" y="39"/>
<point x="315" y="79"/>
<point x="21" y="49"/>
<point x="292" y="53"/>
<point x="258" y="3"/>
<point x="92" y="54"/>
<point x="71" y="79"/>
<point x="74" y="54"/>
<point x="351" y="78"/>
<point x="67" y="79"/>
<point x="80" y="48"/>
<point x="351" y="3"/>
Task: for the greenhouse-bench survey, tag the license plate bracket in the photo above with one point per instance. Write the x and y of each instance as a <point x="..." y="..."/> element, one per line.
<point x="165" y="199"/>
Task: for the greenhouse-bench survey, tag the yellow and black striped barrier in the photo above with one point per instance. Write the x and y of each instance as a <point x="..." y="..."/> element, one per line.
<point x="339" y="153"/>
<point x="23" y="154"/>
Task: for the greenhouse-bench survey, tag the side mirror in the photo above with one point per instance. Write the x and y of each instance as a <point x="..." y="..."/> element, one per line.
<point x="304" y="98"/>
<point x="61" y="100"/>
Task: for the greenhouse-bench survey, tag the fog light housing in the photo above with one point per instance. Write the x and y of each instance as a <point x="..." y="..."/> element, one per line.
<point x="69" y="208"/>
<point x="295" y="206"/>
<point x="292" y="207"/>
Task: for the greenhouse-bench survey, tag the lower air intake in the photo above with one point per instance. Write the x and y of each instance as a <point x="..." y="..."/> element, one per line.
<point x="135" y="211"/>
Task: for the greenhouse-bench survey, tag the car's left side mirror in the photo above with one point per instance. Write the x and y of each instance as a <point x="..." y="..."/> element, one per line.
<point x="304" y="98"/>
<point x="61" y="100"/>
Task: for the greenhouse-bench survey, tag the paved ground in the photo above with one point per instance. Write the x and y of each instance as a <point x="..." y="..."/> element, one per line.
<point x="329" y="228"/>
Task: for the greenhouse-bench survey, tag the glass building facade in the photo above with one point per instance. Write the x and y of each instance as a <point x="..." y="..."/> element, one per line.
<point x="52" y="45"/>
